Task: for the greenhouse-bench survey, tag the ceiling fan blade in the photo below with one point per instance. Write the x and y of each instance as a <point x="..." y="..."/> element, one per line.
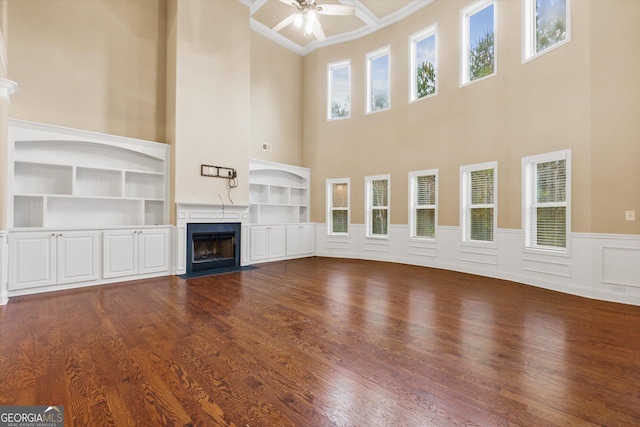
<point x="318" y="32"/>
<point x="291" y="3"/>
<point x="286" y="21"/>
<point x="335" y="9"/>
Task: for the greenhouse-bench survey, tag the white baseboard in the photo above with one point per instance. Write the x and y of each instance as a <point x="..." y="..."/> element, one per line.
<point x="599" y="266"/>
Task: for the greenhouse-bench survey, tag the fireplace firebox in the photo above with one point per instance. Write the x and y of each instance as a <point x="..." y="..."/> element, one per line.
<point x="212" y="246"/>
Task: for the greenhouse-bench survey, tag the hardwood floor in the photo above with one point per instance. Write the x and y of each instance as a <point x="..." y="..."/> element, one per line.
<point x="323" y="342"/>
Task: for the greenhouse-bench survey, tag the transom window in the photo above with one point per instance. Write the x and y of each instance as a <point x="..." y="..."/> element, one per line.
<point x="377" y="205"/>
<point x="338" y="200"/>
<point x="339" y="90"/>
<point x="478" y="41"/>
<point x="378" y="75"/>
<point x="546" y="25"/>
<point x="479" y="201"/>
<point x="546" y="189"/>
<point x="422" y="63"/>
<point x="423" y="213"/>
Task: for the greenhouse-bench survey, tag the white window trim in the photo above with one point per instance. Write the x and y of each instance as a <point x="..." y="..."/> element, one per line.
<point x="465" y="14"/>
<point x="368" y="205"/>
<point x="527" y="201"/>
<point x="330" y="209"/>
<point x="330" y="67"/>
<point x="528" y="31"/>
<point x="412" y="208"/>
<point x="369" y="58"/>
<point x="465" y="213"/>
<point x="431" y="30"/>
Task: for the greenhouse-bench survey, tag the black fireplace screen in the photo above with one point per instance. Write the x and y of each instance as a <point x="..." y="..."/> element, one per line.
<point x="212" y="246"/>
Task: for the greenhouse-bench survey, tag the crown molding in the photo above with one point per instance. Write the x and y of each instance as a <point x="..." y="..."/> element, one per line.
<point x="7" y="88"/>
<point x="371" y="24"/>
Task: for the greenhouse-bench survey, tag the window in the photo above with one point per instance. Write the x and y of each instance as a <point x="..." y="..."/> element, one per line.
<point x="377" y="205"/>
<point x="546" y="24"/>
<point x="423" y="213"/>
<point x="378" y="72"/>
<point x="423" y="67"/>
<point x="339" y="90"/>
<point x="479" y="201"/>
<point x="478" y="41"/>
<point x="546" y="181"/>
<point x="338" y="206"/>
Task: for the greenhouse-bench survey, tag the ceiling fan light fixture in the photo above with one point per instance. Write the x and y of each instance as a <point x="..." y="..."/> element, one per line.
<point x="308" y="25"/>
<point x="297" y="21"/>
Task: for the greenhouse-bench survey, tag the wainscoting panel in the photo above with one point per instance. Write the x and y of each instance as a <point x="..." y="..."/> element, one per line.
<point x="422" y="250"/>
<point x="562" y="269"/>
<point x="621" y="266"/>
<point x="605" y="267"/>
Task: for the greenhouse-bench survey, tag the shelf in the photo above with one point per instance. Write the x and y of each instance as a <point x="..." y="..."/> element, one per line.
<point x="39" y="178"/>
<point x="298" y="196"/>
<point x="154" y="212"/>
<point x="92" y="212"/>
<point x="258" y="193"/>
<point x="98" y="182"/>
<point x="278" y="193"/>
<point x="148" y="186"/>
<point x="86" y="153"/>
<point x="71" y="178"/>
<point x="28" y="211"/>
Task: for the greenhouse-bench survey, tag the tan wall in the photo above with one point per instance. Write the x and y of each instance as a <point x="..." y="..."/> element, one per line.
<point x="615" y="114"/>
<point x="212" y="98"/>
<point x="96" y="65"/>
<point x="526" y="109"/>
<point x="4" y="110"/>
<point x="276" y="101"/>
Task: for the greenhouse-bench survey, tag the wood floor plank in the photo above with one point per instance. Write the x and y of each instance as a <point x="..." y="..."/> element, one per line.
<point x="323" y="342"/>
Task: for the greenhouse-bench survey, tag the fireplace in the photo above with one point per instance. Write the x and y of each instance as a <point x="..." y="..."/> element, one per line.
<point x="212" y="246"/>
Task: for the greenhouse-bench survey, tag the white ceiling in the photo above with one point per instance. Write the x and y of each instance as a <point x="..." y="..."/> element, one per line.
<point x="370" y="16"/>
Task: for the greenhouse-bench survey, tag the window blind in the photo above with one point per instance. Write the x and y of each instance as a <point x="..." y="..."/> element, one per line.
<point x="481" y="207"/>
<point x="425" y="210"/>
<point x="379" y="206"/>
<point x="550" y="207"/>
<point x="340" y="207"/>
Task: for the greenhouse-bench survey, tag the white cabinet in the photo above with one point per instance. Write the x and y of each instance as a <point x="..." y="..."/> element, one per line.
<point x="50" y="258"/>
<point x="83" y="187"/>
<point x="132" y="252"/>
<point x="300" y="240"/>
<point x="267" y="242"/>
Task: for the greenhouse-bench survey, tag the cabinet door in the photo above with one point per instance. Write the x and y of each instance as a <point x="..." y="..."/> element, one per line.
<point x="33" y="260"/>
<point x="277" y="241"/>
<point x="293" y="239"/>
<point x="259" y="243"/>
<point x="77" y="256"/>
<point x="154" y="250"/>
<point x="120" y="253"/>
<point x="307" y="239"/>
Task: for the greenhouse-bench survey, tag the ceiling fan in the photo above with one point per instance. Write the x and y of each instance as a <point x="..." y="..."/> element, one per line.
<point x="306" y="16"/>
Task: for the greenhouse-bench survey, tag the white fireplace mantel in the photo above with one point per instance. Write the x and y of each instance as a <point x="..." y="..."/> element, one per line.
<point x="209" y="213"/>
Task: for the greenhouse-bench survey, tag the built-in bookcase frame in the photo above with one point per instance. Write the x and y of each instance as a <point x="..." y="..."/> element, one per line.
<point x="66" y="178"/>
